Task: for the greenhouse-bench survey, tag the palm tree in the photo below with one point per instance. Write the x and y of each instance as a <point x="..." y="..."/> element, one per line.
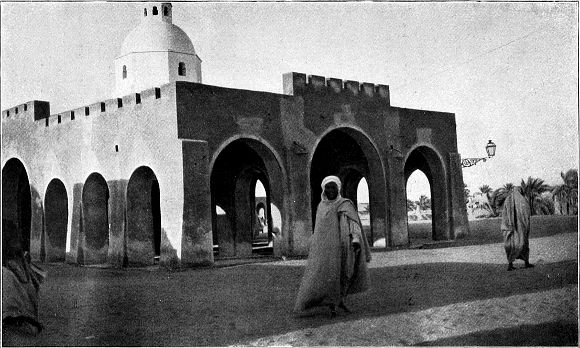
<point x="488" y="191"/>
<point x="411" y="205"/>
<point x="532" y="190"/>
<point x="424" y="202"/>
<point x="497" y="198"/>
<point x="567" y="194"/>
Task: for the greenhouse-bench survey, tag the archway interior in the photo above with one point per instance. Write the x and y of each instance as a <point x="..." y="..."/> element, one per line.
<point x="56" y="220"/>
<point x="426" y="161"/>
<point x="419" y="215"/>
<point x="338" y="153"/>
<point x="143" y="217"/>
<point x="362" y="199"/>
<point x="95" y="200"/>
<point x="16" y="208"/>
<point x="262" y="238"/>
<point x="234" y="181"/>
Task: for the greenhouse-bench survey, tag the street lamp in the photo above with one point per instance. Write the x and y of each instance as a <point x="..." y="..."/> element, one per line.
<point x="489" y="148"/>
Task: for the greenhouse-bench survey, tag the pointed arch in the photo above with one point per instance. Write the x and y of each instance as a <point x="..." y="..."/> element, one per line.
<point x="16" y="208"/>
<point x="56" y="220"/>
<point x="95" y="220"/>
<point x="234" y="171"/>
<point x="426" y="159"/>
<point x="143" y="232"/>
<point x="349" y="153"/>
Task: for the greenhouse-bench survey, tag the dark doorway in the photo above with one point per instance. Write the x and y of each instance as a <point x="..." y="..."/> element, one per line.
<point x="56" y="221"/>
<point x="95" y="219"/>
<point x="143" y="236"/>
<point x="16" y="207"/>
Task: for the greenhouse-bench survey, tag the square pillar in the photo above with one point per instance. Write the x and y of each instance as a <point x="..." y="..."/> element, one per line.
<point x="196" y="239"/>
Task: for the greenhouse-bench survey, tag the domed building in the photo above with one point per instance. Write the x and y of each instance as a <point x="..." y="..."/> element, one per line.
<point x="166" y="172"/>
<point x="156" y="52"/>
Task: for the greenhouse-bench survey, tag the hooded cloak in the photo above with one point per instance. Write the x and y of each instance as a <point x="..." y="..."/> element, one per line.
<point x="334" y="269"/>
<point x="515" y="225"/>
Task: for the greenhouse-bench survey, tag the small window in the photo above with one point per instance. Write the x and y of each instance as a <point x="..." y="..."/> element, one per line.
<point x="102" y="107"/>
<point x="87" y="111"/>
<point x="58" y="118"/>
<point x="46" y="122"/>
<point x="25" y="107"/>
<point x="155" y="10"/>
<point x="157" y="93"/>
<point x="8" y="113"/>
<point x="16" y="111"/>
<point x="181" y="69"/>
<point x="145" y="10"/>
<point x="72" y="115"/>
<point x="137" y="98"/>
<point x="166" y="11"/>
<point x="119" y="102"/>
<point x="124" y="71"/>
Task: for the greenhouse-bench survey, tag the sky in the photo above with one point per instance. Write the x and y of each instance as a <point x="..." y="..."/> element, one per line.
<point x="508" y="71"/>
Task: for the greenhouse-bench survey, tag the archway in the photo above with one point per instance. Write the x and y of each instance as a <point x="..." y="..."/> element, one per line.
<point x="143" y="233"/>
<point x="56" y="221"/>
<point x="95" y="220"/>
<point x="16" y="208"/>
<point x="237" y="169"/>
<point x="419" y="214"/>
<point x="262" y="238"/>
<point x="426" y="160"/>
<point x="350" y="155"/>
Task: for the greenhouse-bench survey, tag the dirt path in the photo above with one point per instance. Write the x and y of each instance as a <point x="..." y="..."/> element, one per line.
<point x="450" y="296"/>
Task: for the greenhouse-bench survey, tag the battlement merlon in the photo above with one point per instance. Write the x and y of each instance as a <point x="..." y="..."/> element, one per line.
<point x="298" y="84"/>
<point x="37" y="108"/>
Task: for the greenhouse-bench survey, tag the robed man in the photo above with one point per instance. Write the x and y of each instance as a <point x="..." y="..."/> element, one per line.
<point x="515" y="226"/>
<point x="338" y="255"/>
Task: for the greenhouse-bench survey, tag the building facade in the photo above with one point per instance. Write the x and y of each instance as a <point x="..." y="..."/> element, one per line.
<point x="167" y="171"/>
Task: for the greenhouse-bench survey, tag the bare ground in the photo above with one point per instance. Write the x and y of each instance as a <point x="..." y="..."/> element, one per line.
<point x="450" y="296"/>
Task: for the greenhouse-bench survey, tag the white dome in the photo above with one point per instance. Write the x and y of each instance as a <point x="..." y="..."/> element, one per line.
<point x="155" y="36"/>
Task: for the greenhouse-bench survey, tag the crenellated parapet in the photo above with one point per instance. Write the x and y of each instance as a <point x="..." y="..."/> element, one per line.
<point x="36" y="110"/>
<point x="300" y="84"/>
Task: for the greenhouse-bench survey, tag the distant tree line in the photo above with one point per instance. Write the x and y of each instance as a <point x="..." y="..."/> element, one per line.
<point x="542" y="198"/>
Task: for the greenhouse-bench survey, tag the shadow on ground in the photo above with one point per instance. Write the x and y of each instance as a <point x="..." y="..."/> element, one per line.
<point x="558" y="333"/>
<point x="235" y="305"/>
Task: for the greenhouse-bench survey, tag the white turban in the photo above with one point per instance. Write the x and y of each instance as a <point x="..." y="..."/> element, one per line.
<point x="333" y="179"/>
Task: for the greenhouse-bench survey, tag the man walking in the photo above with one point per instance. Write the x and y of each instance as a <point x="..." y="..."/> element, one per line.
<point x="338" y="255"/>
<point x="515" y="225"/>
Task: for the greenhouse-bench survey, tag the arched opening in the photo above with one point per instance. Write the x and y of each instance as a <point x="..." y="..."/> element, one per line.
<point x="181" y="69"/>
<point x="165" y="11"/>
<point x="262" y="239"/>
<point x="16" y="209"/>
<point x="245" y="178"/>
<point x="124" y="71"/>
<point x="143" y="234"/>
<point x="419" y="216"/>
<point x="349" y="154"/>
<point x="362" y="200"/>
<point x="145" y="12"/>
<point x="95" y="220"/>
<point x="56" y="221"/>
<point x="155" y="13"/>
<point x="424" y="163"/>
